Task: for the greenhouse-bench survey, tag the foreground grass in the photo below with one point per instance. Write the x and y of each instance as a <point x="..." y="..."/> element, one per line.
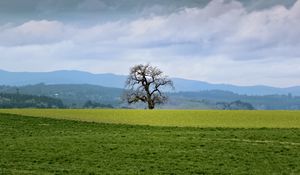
<point x="33" y="145"/>
<point x="183" y="118"/>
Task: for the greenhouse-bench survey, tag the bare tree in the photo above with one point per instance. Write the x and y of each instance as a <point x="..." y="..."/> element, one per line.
<point x="144" y="84"/>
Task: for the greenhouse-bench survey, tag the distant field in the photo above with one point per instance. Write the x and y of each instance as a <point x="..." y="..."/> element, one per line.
<point x="182" y="118"/>
<point x="35" y="146"/>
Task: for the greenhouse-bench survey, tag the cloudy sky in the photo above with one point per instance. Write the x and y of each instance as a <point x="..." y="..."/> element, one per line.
<point x="246" y="42"/>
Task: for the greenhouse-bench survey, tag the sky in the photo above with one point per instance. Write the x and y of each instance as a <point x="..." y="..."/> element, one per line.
<point x="241" y="42"/>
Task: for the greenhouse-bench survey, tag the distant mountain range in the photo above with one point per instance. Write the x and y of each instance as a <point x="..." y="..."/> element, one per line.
<point x="117" y="81"/>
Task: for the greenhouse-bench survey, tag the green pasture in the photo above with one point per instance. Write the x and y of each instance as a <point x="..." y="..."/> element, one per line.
<point x="181" y="118"/>
<point x="39" y="145"/>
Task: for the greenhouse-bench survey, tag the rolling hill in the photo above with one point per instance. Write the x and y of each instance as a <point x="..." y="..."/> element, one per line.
<point x="77" y="95"/>
<point x="117" y="81"/>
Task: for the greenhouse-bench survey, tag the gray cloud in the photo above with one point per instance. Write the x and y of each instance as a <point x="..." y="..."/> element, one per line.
<point x="89" y="11"/>
<point x="221" y="41"/>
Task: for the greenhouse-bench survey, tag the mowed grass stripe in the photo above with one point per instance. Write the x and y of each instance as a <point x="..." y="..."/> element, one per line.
<point x="181" y="118"/>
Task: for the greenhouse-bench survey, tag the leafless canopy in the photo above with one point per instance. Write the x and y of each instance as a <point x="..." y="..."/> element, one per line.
<point x="145" y="83"/>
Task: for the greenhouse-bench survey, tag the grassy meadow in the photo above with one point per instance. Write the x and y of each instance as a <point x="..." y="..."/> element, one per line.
<point x="180" y="118"/>
<point x="149" y="142"/>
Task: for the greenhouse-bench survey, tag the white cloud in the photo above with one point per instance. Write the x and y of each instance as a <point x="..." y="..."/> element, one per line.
<point x="222" y="42"/>
<point x="35" y="32"/>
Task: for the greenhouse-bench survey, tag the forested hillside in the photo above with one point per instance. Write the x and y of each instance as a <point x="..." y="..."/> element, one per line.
<point x="75" y="96"/>
<point x="92" y="96"/>
<point x="267" y="102"/>
<point x="28" y="101"/>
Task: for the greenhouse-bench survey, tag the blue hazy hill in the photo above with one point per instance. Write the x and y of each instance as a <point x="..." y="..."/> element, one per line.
<point x="112" y="80"/>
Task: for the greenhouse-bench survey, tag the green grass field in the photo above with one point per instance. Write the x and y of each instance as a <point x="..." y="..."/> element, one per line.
<point x="267" y="142"/>
<point x="182" y="118"/>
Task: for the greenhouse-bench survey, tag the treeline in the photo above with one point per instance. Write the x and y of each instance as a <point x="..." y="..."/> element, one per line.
<point x="91" y="96"/>
<point x="72" y="95"/>
<point x="17" y="100"/>
<point x="265" y="102"/>
<point x="91" y="104"/>
<point x="235" y="105"/>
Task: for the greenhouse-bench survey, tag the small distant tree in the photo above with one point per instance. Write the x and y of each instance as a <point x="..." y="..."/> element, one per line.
<point x="144" y="84"/>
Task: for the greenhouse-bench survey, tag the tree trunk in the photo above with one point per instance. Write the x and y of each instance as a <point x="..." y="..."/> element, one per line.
<point x="149" y="99"/>
<point x="150" y="105"/>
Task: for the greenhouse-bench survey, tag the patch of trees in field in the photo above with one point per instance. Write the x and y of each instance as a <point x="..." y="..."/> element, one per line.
<point x="235" y="105"/>
<point x="91" y="104"/>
